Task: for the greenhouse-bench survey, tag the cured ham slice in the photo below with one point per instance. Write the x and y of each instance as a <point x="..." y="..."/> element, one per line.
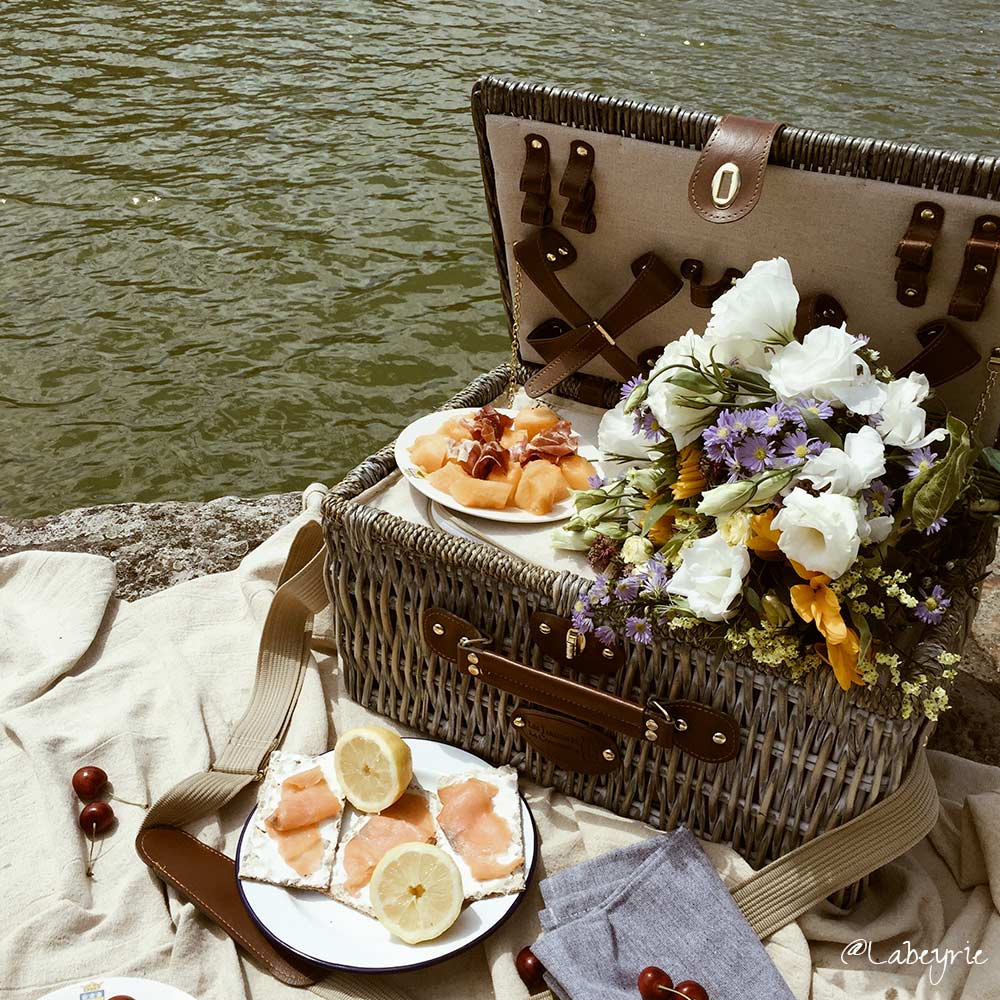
<point x="558" y="441"/>
<point x="474" y="829"/>
<point x="406" y="821"/>
<point x="306" y="800"/>
<point x="301" y="850"/>
<point x="488" y="425"/>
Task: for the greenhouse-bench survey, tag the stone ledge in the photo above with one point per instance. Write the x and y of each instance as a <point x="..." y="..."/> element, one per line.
<point x="156" y="545"/>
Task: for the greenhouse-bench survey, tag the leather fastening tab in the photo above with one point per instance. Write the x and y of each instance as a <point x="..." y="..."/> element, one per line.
<point x="916" y="253"/>
<point x="578" y="187"/>
<point x="947" y="353"/>
<point x="208" y="879"/>
<point x="696" y="729"/>
<point x="550" y="633"/>
<point x="703" y="295"/>
<point x="821" y="309"/>
<point x="735" y="156"/>
<point x="443" y="631"/>
<point x="978" y="269"/>
<point x="536" y="182"/>
<point x="570" y="744"/>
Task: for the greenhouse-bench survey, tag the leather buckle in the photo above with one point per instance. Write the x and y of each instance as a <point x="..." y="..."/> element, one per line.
<point x="604" y="333"/>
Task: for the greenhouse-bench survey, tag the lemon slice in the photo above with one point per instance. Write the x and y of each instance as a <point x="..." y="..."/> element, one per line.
<point x="416" y="892"/>
<point x="373" y="766"/>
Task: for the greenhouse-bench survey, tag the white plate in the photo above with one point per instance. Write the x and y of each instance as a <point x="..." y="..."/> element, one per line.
<point x="431" y="424"/>
<point x="329" y="932"/>
<point x="96" y="988"/>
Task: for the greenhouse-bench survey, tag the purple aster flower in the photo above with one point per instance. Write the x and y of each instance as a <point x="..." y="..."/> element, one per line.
<point x="720" y="437"/>
<point x="931" y="609"/>
<point x="649" y="427"/>
<point x="756" y="453"/>
<point x="817" y="407"/>
<point x="629" y="387"/>
<point x="605" y="635"/>
<point x="582" y="622"/>
<point x="596" y="481"/>
<point x="597" y="593"/>
<point x="935" y="526"/>
<point x="657" y="577"/>
<point x="921" y="459"/>
<point x="798" y="446"/>
<point x="881" y="499"/>
<point x="639" y="630"/>
<point x="772" y="420"/>
<point x="627" y="588"/>
<point x="755" y="421"/>
<point x="737" y="472"/>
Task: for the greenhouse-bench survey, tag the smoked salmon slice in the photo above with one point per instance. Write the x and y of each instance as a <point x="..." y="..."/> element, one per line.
<point x="301" y="850"/>
<point x="406" y="821"/>
<point x="474" y="830"/>
<point x="306" y="800"/>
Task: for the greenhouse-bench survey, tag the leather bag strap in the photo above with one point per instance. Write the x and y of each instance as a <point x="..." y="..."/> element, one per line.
<point x="654" y="285"/>
<point x="205" y="876"/>
<point x="947" y="353"/>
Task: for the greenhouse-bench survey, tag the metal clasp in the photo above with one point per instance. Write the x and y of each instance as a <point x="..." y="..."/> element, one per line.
<point x="575" y="641"/>
<point x="604" y="333"/>
<point x="726" y="184"/>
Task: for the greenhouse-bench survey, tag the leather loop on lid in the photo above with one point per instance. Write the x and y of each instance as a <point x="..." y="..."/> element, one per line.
<point x="916" y="253"/>
<point x="578" y="187"/>
<point x="821" y="309"/>
<point x="703" y="294"/>
<point x="536" y="182"/>
<point x="727" y="180"/>
<point x="978" y="269"/>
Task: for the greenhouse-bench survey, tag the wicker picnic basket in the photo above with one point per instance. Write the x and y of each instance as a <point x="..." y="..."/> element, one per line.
<point x="808" y="757"/>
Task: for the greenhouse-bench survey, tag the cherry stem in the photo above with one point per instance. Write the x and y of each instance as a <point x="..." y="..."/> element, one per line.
<point x="129" y="802"/>
<point x="667" y="989"/>
<point x="90" y="857"/>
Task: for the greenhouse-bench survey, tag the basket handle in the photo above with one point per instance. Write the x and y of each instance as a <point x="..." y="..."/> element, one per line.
<point x="696" y="729"/>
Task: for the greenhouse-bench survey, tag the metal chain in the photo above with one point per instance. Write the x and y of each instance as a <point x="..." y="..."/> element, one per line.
<point x="992" y="374"/>
<point x="515" y="336"/>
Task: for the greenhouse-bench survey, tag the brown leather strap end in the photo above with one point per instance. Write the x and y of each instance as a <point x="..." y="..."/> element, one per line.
<point x="978" y="269"/>
<point x="704" y="294"/>
<point x="816" y="310"/>
<point x="727" y="179"/>
<point x="916" y="253"/>
<point x="208" y="879"/>
<point x="578" y="187"/>
<point x="947" y="353"/>
<point x="536" y="182"/>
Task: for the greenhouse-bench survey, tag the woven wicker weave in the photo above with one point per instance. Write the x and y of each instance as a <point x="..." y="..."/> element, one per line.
<point x="810" y="756"/>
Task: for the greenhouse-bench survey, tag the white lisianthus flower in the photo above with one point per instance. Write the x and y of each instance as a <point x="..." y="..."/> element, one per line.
<point x="850" y="469"/>
<point x="820" y="532"/>
<point x="671" y="387"/>
<point x="616" y="435"/>
<point x="904" y="420"/>
<point x="825" y="365"/>
<point x="755" y="317"/>
<point x="735" y="527"/>
<point x="637" y="550"/>
<point x="710" y="577"/>
<point x="873" y="529"/>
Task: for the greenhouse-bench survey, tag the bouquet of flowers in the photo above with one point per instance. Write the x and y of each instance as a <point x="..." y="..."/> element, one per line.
<point x="787" y="498"/>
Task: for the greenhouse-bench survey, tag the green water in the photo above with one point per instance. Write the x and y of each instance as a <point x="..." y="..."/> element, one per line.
<point x="241" y="244"/>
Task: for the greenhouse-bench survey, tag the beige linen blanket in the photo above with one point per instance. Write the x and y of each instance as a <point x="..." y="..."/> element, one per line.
<point x="148" y="691"/>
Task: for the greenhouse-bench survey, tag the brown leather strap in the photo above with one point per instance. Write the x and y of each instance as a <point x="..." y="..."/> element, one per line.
<point x="208" y="879"/>
<point x="735" y="156"/>
<point x="947" y="353"/>
<point x="696" y="729"/>
<point x="578" y="187"/>
<point x="821" y="309"/>
<point x="536" y="182"/>
<point x="703" y="295"/>
<point x="916" y="253"/>
<point x="978" y="269"/>
<point x="654" y="285"/>
<point x="558" y="639"/>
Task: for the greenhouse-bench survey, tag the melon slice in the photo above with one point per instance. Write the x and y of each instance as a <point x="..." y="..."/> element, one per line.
<point x="445" y="478"/>
<point x="533" y="419"/>
<point x="576" y="471"/>
<point x="512" y="476"/>
<point x="513" y="436"/>
<point x="429" y="452"/>
<point x="484" y="493"/>
<point x="541" y="487"/>
<point x="455" y="429"/>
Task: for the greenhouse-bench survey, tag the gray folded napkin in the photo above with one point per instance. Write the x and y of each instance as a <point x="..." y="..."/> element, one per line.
<point x="658" y="902"/>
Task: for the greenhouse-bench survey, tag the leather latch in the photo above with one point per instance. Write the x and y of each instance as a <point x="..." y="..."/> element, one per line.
<point x="728" y="178"/>
<point x="916" y="253"/>
<point x="978" y="268"/>
<point x="571" y="745"/>
<point x="560" y="641"/>
<point x="704" y="294"/>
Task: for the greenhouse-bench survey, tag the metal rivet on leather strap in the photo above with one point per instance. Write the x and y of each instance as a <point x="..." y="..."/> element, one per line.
<point x="581" y="150"/>
<point x="437" y="628"/>
<point x="550" y="256"/>
<point x="563" y="251"/>
<point x="544" y="629"/>
<point x="473" y="658"/>
<point x="680" y="725"/>
<point x="608" y="654"/>
<point x="536" y="143"/>
<point x="989" y="227"/>
<point x="910" y="292"/>
<point x="927" y="213"/>
<point x="652" y="724"/>
<point x="474" y="671"/>
<point x="519" y="722"/>
<point x="719" y="738"/>
<point x="980" y="268"/>
<point x="650" y="735"/>
<point x="608" y="754"/>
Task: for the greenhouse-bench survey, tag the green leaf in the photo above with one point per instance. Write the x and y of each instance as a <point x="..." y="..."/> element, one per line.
<point x="818" y="427"/>
<point x="946" y="478"/>
<point x="864" y="636"/>
<point x="993" y="457"/>
<point x="655" y="513"/>
<point x="753" y="599"/>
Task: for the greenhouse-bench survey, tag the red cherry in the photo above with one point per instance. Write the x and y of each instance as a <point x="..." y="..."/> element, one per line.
<point x="530" y="969"/>
<point x="654" y="984"/>
<point x="121" y="996"/>
<point x="692" y="990"/>
<point x="96" y="818"/>
<point x="88" y="781"/>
